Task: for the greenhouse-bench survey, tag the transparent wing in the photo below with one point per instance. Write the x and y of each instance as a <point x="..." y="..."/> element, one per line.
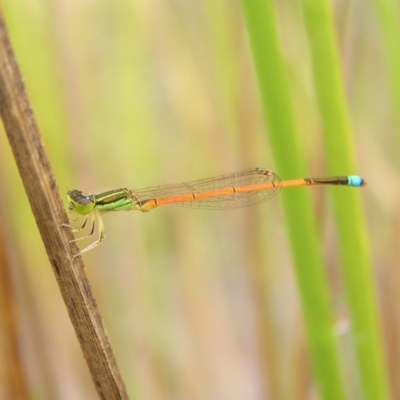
<point x="250" y="181"/>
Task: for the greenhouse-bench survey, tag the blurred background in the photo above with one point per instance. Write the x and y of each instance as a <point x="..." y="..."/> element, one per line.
<point x="198" y="304"/>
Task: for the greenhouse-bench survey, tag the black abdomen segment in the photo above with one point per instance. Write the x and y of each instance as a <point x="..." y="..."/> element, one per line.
<point x="351" y="180"/>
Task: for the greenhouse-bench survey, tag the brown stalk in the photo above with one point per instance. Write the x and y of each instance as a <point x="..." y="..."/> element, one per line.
<point x="46" y="204"/>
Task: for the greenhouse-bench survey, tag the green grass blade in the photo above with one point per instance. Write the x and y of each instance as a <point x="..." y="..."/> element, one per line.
<point x="387" y="12"/>
<point x="305" y="246"/>
<point x="351" y="226"/>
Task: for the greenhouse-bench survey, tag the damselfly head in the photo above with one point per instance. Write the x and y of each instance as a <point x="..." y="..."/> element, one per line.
<point x="78" y="202"/>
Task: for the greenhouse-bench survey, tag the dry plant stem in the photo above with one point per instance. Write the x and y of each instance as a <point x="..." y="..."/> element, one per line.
<point x="48" y="209"/>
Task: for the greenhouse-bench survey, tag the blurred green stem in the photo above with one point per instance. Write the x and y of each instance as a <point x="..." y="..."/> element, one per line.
<point x="389" y="18"/>
<point x="276" y="103"/>
<point x="356" y="263"/>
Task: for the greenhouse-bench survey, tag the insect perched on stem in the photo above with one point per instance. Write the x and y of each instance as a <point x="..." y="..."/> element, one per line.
<point x="240" y="189"/>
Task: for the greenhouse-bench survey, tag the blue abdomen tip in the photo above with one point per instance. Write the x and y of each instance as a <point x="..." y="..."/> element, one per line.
<point x="355" y="180"/>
